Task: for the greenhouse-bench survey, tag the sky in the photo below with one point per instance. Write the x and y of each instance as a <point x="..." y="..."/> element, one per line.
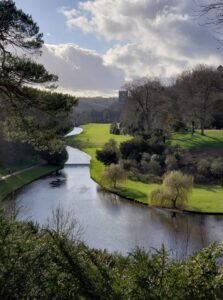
<point x="95" y="46"/>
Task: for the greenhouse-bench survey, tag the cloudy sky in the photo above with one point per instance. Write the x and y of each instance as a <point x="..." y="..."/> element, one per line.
<point x="96" y="45"/>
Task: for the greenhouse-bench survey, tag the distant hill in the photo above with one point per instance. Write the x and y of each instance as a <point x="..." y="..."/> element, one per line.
<point x="97" y="110"/>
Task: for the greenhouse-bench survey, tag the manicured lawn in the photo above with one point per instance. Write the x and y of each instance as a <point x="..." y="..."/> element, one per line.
<point x="95" y="136"/>
<point x="203" y="199"/>
<point x="15" y="182"/>
<point x="213" y="140"/>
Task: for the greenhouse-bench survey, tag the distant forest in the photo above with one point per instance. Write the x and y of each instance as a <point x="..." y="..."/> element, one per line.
<point x="97" y="110"/>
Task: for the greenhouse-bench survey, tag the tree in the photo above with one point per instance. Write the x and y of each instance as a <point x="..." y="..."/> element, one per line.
<point x="114" y="174"/>
<point x="24" y="107"/>
<point x="198" y="89"/>
<point x="109" y="153"/>
<point x="175" y="189"/>
<point x="143" y="106"/>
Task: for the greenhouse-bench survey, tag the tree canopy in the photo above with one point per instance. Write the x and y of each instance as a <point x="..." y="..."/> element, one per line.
<point x="28" y="114"/>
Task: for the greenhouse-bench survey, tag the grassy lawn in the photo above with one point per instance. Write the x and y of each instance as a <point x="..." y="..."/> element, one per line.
<point x="15" y="182"/>
<point x="15" y="168"/>
<point x="95" y="136"/>
<point x="203" y="199"/>
<point x="213" y="140"/>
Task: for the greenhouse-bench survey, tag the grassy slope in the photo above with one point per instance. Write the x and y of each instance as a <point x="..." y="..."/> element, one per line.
<point x="15" y="182"/>
<point x="213" y="140"/>
<point x="203" y="199"/>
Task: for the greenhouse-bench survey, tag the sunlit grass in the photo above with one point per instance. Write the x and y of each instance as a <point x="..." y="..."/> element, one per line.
<point x="213" y="139"/>
<point x="202" y="199"/>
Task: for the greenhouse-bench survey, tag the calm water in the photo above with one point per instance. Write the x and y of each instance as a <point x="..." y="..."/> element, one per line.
<point x="114" y="223"/>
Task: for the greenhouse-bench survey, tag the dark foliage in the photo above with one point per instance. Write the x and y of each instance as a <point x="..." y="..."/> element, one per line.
<point x="109" y="154"/>
<point x="43" y="264"/>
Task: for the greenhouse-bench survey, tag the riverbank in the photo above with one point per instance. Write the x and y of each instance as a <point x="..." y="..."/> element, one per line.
<point x="204" y="199"/>
<point x="13" y="183"/>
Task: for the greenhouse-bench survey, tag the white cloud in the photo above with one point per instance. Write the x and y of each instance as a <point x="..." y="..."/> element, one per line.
<point x="81" y="71"/>
<point x="158" y="38"/>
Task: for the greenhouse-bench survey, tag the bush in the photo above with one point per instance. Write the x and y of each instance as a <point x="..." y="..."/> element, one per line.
<point x="217" y="169"/>
<point x="109" y="154"/>
<point x="154" y="168"/>
<point x="203" y="167"/>
<point x="56" y="158"/>
<point x="128" y="164"/>
<point x="133" y="149"/>
<point x="45" y="264"/>
<point x="114" y="129"/>
<point x="171" y="163"/>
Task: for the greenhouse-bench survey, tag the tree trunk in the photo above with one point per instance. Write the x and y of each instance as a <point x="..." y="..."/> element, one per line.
<point x="202" y="127"/>
<point x="174" y="203"/>
<point x="193" y="127"/>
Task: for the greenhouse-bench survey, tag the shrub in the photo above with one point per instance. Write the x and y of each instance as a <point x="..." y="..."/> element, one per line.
<point x="109" y="154"/>
<point x="128" y="164"/>
<point x="154" y="168"/>
<point x="133" y="149"/>
<point x="56" y="158"/>
<point x="217" y="168"/>
<point x="171" y="163"/>
<point x="203" y="167"/>
<point x="114" y="129"/>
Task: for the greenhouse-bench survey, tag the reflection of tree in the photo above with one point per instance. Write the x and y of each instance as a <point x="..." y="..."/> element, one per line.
<point x="186" y="233"/>
<point x="110" y="201"/>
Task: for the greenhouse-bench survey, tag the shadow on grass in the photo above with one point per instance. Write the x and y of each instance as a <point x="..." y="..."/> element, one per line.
<point x="132" y="194"/>
<point x="197" y="141"/>
<point x="209" y="188"/>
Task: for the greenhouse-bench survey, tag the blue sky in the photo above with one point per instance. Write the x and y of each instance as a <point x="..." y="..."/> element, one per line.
<point x="95" y="46"/>
<point x="52" y="23"/>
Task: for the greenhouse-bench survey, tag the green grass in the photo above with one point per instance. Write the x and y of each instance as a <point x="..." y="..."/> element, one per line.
<point x="95" y="136"/>
<point x="15" y="182"/>
<point x="14" y="168"/>
<point x="207" y="199"/>
<point x="212" y="140"/>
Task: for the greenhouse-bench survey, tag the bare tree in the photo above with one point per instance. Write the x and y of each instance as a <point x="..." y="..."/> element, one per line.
<point x="175" y="189"/>
<point x="144" y="102"/>
<point x="198" y="89"/>
<point x="64" y="222"/>
<point x="114" y="174"/>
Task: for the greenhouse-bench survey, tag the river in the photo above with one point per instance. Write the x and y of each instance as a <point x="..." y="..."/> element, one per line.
<point x="110" y="222"/>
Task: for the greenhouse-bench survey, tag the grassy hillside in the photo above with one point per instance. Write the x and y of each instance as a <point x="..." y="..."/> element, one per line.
<point x="203" y="199"/>
<point x="15" y="182"/>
